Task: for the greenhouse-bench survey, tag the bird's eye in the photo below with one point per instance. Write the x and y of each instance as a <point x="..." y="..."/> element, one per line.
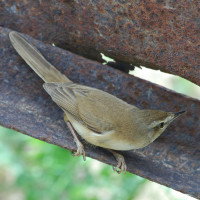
<point x="161" y="125"/>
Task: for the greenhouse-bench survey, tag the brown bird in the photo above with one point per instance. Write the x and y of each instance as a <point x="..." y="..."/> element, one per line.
<point x="100" y="118"/>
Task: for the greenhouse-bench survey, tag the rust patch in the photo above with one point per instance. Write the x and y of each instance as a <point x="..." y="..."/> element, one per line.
<point x="157" y="34"/>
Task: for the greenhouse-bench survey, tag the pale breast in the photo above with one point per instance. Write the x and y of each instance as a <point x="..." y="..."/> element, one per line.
<point x="106" y="139"/>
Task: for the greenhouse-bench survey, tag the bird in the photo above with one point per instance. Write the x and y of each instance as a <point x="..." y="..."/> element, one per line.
<point x="98" y="117"/>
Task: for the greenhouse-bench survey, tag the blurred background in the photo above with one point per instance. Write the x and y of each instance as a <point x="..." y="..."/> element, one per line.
<point x="31" y="169"/>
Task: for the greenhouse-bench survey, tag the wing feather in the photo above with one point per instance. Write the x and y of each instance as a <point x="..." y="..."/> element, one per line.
<point x="88" y="105"/>
<point x="63" y="97"/>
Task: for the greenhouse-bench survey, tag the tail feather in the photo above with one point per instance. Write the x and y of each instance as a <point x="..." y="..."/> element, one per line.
<point x="35" y="60"/>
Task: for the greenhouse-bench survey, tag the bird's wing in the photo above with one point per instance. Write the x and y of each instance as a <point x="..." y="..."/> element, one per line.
<point x="64" y="97"/>
<point x="89" y="106"/>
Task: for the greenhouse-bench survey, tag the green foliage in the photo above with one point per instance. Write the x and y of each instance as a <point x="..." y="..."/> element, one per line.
<point x="38" y="170"/>
<point x="32" y="170"/>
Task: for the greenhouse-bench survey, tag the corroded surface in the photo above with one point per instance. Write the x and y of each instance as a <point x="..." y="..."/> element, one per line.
<point x="172" y="160"/>
<point x="161" y="34"/>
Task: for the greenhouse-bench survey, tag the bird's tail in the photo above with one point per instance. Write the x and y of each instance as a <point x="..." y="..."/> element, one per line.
<point x="35" y="60"/>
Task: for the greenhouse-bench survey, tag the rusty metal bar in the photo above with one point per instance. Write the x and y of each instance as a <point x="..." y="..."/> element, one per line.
<point x="157" y="34"/>
<point x="172" y="160"/>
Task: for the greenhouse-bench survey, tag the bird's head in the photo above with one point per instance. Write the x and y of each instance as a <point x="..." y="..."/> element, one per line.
<point x="155" y="122"/>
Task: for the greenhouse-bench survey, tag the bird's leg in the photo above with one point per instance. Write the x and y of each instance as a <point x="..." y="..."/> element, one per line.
<point x="121" y="164"/>
<point x="80" y="147"/>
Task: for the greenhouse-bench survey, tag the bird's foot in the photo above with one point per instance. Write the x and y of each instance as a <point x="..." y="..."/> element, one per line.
<point x="121" y="164"/>
<point x="80" y="150"/>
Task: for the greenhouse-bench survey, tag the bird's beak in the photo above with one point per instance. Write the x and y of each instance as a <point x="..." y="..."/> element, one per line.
<point x="178" y="114"/>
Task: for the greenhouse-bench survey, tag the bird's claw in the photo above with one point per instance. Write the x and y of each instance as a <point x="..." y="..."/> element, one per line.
<point x="80" y="151"/>
<point x="121" y="165"/>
